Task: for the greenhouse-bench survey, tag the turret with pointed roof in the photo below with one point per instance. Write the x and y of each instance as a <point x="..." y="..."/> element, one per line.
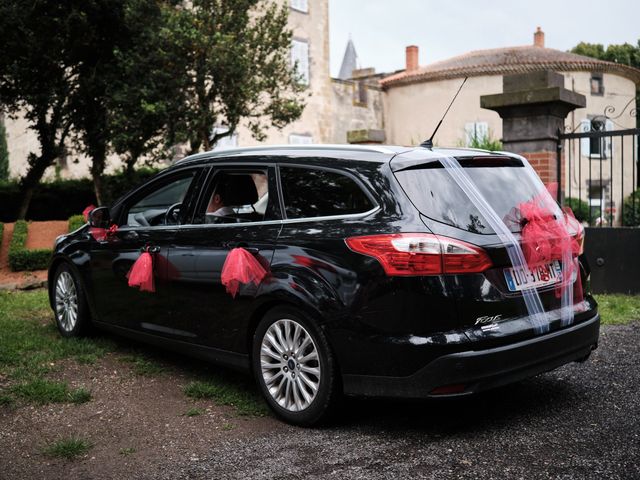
<point x="349" y="61"/>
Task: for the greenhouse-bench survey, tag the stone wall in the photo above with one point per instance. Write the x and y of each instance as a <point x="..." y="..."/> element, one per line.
<point x="354" y="110"/>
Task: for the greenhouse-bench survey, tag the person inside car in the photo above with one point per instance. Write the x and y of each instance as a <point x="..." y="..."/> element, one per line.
<point x="216" y="206"/>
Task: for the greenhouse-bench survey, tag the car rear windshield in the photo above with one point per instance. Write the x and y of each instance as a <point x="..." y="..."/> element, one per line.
<point x="504" y="183"/>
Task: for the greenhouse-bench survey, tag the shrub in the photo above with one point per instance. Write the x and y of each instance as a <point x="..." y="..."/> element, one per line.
<point x="485" y="142"/>
<point x="631" y="213"/>
<point x="22" y="259"/>
<point x="580" y="208"/>
<point x="75" y="222"/>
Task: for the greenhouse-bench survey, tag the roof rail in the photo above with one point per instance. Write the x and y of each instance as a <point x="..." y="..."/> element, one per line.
<point x="269" y="148"/>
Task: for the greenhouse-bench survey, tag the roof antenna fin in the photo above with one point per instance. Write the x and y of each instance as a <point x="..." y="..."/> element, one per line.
<point x="429" y="143"/>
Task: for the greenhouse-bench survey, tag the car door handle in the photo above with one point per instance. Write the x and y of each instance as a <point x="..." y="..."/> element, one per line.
<point x="252" y="250"/>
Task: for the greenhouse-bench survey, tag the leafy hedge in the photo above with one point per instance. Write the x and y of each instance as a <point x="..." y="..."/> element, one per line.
<point x="60" y="199"/>
<point x="75" y="222"/>
<point x="22" y="259"/>
<point x="580" y="208"/>
<point x="631" y="213"/>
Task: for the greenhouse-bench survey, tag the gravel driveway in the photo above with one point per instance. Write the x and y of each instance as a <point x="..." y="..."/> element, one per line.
<point x="581" y="421"/>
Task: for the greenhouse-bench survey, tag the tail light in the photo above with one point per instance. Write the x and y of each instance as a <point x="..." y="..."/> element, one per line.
<point x="409" y="254"/>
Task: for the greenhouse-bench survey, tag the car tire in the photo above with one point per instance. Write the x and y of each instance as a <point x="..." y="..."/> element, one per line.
<point x="70" y="308"/>
<point x="288" y="348"/>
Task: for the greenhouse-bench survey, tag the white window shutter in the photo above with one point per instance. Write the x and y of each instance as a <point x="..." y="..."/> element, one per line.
<point x="300" y="57"/>
<point x="469" y="133"/>
<point x="300" y="139"/>
<point x="301" y="5"/>
<point x="585" y="143"/>
<point x="482" y="130"/>
<point x="608" y="141"/>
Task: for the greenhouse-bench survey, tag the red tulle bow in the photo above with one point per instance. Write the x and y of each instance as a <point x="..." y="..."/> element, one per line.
<point x="141" y="273"/>
<point x="545" y="239"/>
<point x="241" y="268"/>
<point x="87" y="211"/>
<point x="101" y="234"/>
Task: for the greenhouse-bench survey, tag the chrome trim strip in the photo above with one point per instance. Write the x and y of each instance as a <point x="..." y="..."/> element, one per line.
<point x="349" y="216"/>
<point x="353" y="216"/>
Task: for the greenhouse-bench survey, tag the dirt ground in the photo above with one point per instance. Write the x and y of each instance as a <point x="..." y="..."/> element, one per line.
<point x="578" y="422"/>
<point x="145" y="414"/>
<point x="41" y="235"/>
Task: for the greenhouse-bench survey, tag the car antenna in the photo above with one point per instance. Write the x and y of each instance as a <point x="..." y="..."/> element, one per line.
<point x="429" y="142"/>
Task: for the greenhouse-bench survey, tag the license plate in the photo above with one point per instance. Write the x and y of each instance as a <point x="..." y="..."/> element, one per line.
<point x="539" y="276"/>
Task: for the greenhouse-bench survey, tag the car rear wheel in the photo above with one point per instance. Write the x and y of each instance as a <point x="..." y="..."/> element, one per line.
<point x="69" y="303"/>
<point x="294" y="366"/>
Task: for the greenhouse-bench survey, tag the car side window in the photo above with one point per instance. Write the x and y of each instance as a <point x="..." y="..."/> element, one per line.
<point x="312" y="193"/>
<point x="235" y="196"/>
<point x="161" y="204"/>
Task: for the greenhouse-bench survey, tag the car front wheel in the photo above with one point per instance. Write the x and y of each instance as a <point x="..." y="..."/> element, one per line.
<point x="69" y="304"/>
<point x="294" y="366"/>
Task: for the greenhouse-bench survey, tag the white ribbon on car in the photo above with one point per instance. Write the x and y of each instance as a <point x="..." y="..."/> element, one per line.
<point x="535" y="309"/>
<point x="566" y="299"/>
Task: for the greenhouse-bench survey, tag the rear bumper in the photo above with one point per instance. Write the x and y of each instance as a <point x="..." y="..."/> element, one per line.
<point x="484" y="369"/>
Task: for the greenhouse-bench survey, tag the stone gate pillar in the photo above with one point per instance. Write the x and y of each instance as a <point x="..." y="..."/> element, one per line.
<point x="533" y="107"/>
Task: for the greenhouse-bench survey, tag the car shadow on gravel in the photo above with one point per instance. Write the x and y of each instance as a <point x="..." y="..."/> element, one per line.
<point x="527" y="402"/>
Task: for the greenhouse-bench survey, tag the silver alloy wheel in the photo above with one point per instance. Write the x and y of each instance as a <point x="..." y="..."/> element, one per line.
<point x="66" y="301"/>
<point x="290" y="365"/>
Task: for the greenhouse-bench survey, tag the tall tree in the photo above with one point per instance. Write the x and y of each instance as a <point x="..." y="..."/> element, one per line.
<point x="239" y="69"/>
<point x="37" y="77"/>
<point x="4" y="152"/>
<point x="146" y="96"/>
<point x="102" y="32"/>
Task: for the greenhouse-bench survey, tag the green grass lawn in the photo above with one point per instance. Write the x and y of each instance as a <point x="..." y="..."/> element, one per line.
<point x="31" y="348"/>
<point x="617" y="309"/>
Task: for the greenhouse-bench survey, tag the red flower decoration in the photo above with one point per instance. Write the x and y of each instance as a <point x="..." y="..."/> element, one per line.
<point x="241" y="268"/>
<point x="87" y="211"/>
<point x="141" y="273"/>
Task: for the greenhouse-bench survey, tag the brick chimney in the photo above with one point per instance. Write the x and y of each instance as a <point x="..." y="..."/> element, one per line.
<point x="412" y="58"/>
<point x="538" y="38"/>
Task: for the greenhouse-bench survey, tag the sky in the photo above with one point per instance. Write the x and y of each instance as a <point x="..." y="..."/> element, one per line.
<point x="380" y="29"/>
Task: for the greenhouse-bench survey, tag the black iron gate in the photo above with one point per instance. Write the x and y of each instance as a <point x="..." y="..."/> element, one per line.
<point x="602" y="183"/>
<point x="600" y="172"/>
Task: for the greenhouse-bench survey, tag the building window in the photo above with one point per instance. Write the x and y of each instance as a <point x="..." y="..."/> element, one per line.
<point x="230" y="141"/>
<point x="597" y="84"/>
<point x="475" y="133"/>
<point x="300" y="5"/>
<point x="295" y="139"/>
<point x="300" y="59"/>
<point x="596" y="147"/>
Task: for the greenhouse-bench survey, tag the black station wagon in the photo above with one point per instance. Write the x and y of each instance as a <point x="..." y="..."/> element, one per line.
<point x="383" y="278"/>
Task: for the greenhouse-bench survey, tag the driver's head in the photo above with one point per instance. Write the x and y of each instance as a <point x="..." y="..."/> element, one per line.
<point x="217" y="199"/>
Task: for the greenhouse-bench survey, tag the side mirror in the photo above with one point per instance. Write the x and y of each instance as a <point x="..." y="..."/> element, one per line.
<point x="100" y="217"/>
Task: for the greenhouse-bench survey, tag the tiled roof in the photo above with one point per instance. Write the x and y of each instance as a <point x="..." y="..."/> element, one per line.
<point x="505" y="61"/>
